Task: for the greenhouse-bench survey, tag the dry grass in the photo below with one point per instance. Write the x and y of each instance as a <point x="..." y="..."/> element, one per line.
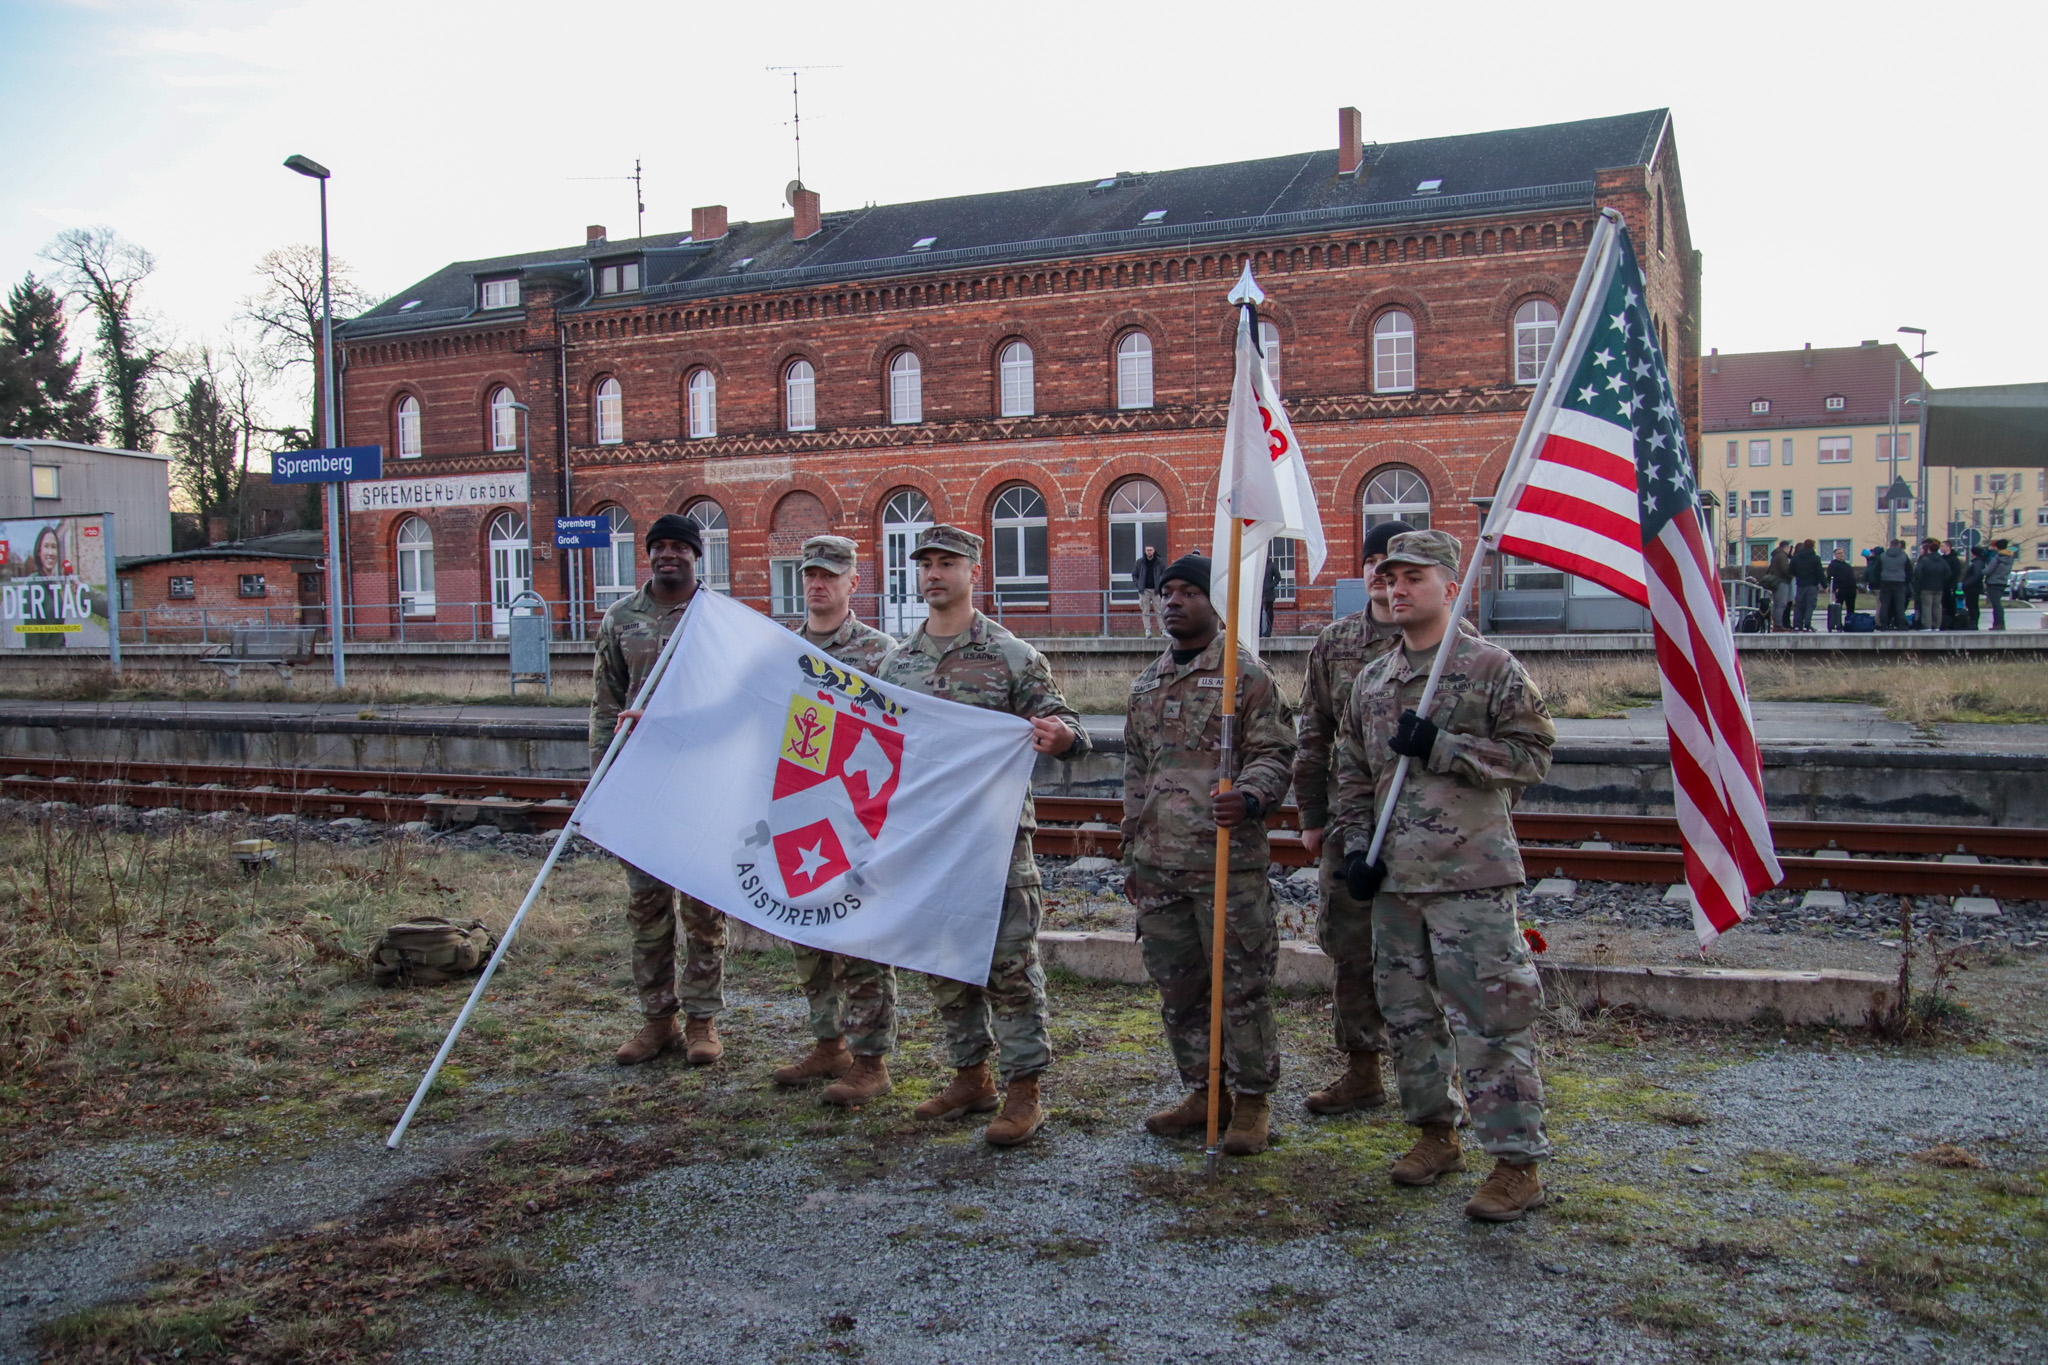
<point x="310" y="684"/>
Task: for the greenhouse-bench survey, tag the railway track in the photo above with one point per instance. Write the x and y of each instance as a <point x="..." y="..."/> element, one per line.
<point x="1946" y="860"/>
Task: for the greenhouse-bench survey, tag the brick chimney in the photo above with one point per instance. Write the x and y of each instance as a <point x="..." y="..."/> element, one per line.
<point x="708" y="223"/>
<point x="1350" y="142"/>
<point x="593" y="233"/>
<point x="809" y="219"/>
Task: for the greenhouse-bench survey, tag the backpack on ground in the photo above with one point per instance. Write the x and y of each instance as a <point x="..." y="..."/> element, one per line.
<point x="1861" y="623"/>
<point x="430" y="951"/>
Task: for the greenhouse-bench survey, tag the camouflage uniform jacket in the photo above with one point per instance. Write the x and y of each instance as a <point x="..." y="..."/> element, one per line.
<point x="855" y="644"/>
<point x="1452" y="829"/>
<point x="1173" y="735"/>
<point x="1343" y="648"/>
<point x="993" y="669"/>
<point x="630" y="640"/>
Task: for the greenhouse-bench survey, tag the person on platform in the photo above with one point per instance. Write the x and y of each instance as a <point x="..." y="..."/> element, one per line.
<point x="1778" y="578"/>
<point x="1842" y="585"/>
<point x="1930" y="584"/>
<point x="1807" y="573"/>
<point x="1974" y="565"/>
<point x="960" y="654"/>
<point x="1269" y="593"/>
<point x="1146" y="573"/>
<point x="1172" y="810"/>
<point x="1952" y="596"/>
<point x="1997" y="577"/>
<point x="852" y="1001"/>
<point x="1443" y="890"/>
<point x="1894" y="582"/>
<point x="628" y="642"/>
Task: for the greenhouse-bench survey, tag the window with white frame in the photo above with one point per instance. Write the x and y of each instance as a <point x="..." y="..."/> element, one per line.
<point x="499" y="294"/>
<point x="181" y="589"/>
<point x="252" y="585"/>
<point x="416" y="567"/>
<point x="1019" y="535"/>
<point x="612" y="567"/>
<point x="1759" y="503"/>
<point x="703" y="392"/>
<point x="2041" y="516"/>
<point x="800" y="396"/>
<point x="408" y="428"/>
<point x="1997" y="517"/>
<point x="1827" y="548"/>
<point x="1535" y="334"/>
<point x="1134" y="371"/>
<point x="906" y="389"/>
<point x="1269" y="347"/>
<point x="622" y="278"/>
<point x="1997" y="482"/>
<point x="1014" y="370"/>
<point x="1396" y="493"/>
<point x="1785" y="503"/>
<point x="2041" y="552"/>
<point x="1884" y="447"/>
<point x="1734" y="454"/>
<point x="504" y="420"/>
<point x="611" y="413"/>
<point x="1885" y="503"/>
<point x="1786" y="446"/>
<point x="1137" y="518"/>
<point x="1526" y="575"/>
<point x="1832" y="502"/>
<point x="715" y="572"/>
<point x="785" y="588"/>
<point x="43" y="481"/>
<point x="1393" y="352"/>
<point x="1836" y="402"/>
<point x="1759" y="453"/>
<point x="1759" y="406"/>
<point x="1280" y="554"/>
<point x="1837" y="449"/>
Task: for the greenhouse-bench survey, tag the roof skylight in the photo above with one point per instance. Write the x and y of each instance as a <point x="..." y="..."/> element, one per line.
<point x="408" y="307"/>
<point x="1107" y="183"/>
<point x="1429" y="186"/>
<point x="742" y="263"/>
<point x="923" y="244"/>
<point x="1154" y="216"/>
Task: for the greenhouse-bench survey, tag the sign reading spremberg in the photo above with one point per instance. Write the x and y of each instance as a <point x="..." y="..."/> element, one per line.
<point x="582" y="533"/>
<point x="338" y="464"/>
<point x="418" y="495"/>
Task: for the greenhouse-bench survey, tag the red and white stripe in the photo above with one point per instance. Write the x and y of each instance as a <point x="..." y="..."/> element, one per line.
<point x="1577" y="509"/>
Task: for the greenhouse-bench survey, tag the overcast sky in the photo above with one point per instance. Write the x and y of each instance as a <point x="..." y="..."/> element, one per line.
<point x="1847" y="169"/>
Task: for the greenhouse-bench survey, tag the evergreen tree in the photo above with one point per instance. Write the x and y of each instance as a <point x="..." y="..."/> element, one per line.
<point x="40" y="396"/>
<point x="205" y="445"/>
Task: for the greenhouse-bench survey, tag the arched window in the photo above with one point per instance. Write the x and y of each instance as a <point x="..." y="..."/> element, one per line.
<point x="1017" y="379"/>
<point x="703" y="389"/>
<point x="1396" y="493"/>
<point x="1134" y="371"/>
<point x="906" y="514"/>
<point x="1137" y="518"/>
<point x="715" y="572"/>
<point x="504" y="420"/>
<point x="511" y="559"/>
<point x="1018" y="524"/>
<point x="612" y="574"/>
<point x="1393" y="352"/>
<point x="906" y="388"/>
<point x="408" y="428"/>
<point x="415" y="568"/>
<point x="611" y="413"/>
<point x="1269" y="347"/>
<point x="1535" y="334"/>
<point x="800" y="396"/>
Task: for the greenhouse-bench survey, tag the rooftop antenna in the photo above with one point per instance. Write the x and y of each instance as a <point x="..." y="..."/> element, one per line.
<point x="796" y="119"/>
<point x="639" y="196"/>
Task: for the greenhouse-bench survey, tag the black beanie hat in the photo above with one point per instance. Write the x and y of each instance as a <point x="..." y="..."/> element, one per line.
<point x="1189" y="569"/>
<point x="1382" y="535"/>
<point x="675" y="527"/>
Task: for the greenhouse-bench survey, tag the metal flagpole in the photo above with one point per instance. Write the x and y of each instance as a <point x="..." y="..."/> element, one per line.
<point x="626" y="727"/>
<point x="1224" y="764"/>
<point x="1598" y="252"/>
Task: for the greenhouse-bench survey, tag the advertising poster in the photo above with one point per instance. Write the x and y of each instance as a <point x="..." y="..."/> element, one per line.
<point x="53" y="584"/>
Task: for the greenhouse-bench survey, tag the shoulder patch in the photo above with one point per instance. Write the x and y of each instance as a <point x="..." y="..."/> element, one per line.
<point x="1209" y="682"/>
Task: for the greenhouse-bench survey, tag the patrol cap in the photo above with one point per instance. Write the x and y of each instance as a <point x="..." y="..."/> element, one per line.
<point x="835" y="554"/>
<point x="1425" y="549"/>
<point x="950" y="539"/>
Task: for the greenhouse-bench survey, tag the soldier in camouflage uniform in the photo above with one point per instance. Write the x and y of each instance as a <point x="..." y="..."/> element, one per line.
<point x="1443" y="891"/>
<point x="959" y="654"/>
<point x="853" y="1001"/>
<point x="630" y="640"/>
<point x="1172" y="810"/>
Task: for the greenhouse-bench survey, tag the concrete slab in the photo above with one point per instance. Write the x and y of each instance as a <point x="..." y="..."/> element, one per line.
<point x="1979" y="907"/>
<point x="1823" y="900"/>
<point x="1841" y="853"/>
<point x="1680" y="894"/>
<point x="1596" y="846"/>
<point x="1564" y="887"/>
<point x="1961" y="858"/>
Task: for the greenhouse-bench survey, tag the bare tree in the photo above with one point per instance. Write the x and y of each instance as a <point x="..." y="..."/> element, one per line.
<point x="205" y="439"/>
<point x="286" y="311"/>
<point x="104" y="272"/>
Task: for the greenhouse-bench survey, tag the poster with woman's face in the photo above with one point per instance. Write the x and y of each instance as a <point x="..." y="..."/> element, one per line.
<point x="53" y="584"/>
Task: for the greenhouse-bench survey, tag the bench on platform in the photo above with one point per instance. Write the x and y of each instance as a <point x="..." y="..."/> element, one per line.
<point x="275" y="647"/>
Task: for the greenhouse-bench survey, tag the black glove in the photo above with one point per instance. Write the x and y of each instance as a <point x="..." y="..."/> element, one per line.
<point x="1414" y="736"/>
<point x="1362" y="878"/>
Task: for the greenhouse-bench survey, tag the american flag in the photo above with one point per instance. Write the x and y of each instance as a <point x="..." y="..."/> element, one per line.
<point x="1609" y="495"/>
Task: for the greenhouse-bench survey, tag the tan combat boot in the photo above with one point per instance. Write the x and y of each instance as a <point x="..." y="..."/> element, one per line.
<point x="865" y="1079"/>
<point x="1360" y="1087"/>
<point x="701" y="1036"/>
<point x="971" y="1091"/>
<point x="1189" y="1118"/>
<point x="655" y="1037"/>
<point x="1250" y="1116"/>
<point x="1435" y="1152"/>
<point x="829" y="1059"/>
<point x="1508" y="1193"/>
<point x="1021" y="1115"/>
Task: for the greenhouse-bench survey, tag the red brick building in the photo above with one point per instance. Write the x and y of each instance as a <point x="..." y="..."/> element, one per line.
<point x="1049" y="366"/>
<point x="201" y="595"/>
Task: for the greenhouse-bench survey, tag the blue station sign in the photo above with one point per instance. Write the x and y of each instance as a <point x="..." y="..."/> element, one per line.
<point x="582" y="533"/>
<point x="338" y="464"/>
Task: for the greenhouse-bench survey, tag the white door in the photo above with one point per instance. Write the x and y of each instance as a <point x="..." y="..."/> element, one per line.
<point x="511" y="569"/>
<point x="906" y="515"/>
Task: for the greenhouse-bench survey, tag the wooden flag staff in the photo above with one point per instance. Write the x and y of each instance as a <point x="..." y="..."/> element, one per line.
<point x="1225" y="772"/>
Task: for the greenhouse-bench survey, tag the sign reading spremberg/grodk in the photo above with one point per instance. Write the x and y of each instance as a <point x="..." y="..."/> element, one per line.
<point x="582" y="533"/>
<point x="417" y="495"/>
<point x="337" y="464"/>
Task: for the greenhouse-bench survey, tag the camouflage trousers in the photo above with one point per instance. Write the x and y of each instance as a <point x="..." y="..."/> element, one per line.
<point x="1006" y="1015"/>
<point x="651" y="911"/>
<point x="850" y="997"/>
<point x="1176" y="924"/>
<point x="1344" y="933"/>
<point x="1460" y="954"/>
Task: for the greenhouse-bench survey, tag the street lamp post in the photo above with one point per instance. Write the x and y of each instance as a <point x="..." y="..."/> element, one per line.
<point x="1920" y="363"/>
<point x="337" y="609"/>
<point x="526" y="454"/>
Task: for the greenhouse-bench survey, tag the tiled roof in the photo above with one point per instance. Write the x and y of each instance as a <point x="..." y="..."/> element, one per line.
<point x="1797" y="384"/>
<point x="310" y="545"/>
<point x="1480" y="173"/>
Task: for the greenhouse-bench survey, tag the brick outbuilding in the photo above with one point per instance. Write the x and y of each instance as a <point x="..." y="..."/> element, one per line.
<point x="201" y="595"/>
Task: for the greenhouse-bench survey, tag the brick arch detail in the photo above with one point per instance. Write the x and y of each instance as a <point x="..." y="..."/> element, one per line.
<point x="771" y="495"/>
<point x="1486" y="478"/>
<point x="904" y="340"/>
<point x="1370" y="459"/>
<point x="1522" y="288"/>
<point x="1095" y="497"/>
<point x="884" y="483"/>
<point x="1272" y="310"/>
<point x="994" y="479"/>
<point x="1010" y="329"/>
<point x="1393" y="296"/>
<point x="1111" y="330"/>
<point x="795" y="349"/>
<point x="688" y="362"/>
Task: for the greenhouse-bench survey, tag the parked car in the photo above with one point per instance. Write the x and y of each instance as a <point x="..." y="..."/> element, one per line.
<point x="2030" y="585"/>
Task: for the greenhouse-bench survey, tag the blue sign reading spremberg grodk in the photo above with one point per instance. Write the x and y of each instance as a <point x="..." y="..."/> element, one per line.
<point x="582" y="533"/>
<point x="339" y="464"/>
